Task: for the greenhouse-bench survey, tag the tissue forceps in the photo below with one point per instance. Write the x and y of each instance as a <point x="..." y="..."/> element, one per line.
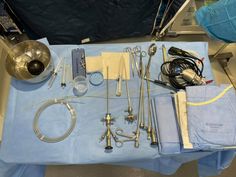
<point x="133" y="59"/>
<point x="140" y="54"/>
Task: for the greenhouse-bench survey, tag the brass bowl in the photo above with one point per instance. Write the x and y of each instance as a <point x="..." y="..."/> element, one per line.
<point x="31" y="62"/>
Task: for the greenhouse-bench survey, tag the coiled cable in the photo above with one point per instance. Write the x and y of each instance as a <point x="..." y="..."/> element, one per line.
<point x="174" y="70"/>
<point x="41" y="109"/>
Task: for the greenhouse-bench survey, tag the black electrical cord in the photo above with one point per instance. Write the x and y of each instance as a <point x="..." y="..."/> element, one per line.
<point x="173" y="70"/>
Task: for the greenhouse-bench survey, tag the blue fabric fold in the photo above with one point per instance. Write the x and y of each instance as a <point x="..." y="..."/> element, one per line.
<point x="16" y="170"/>
<point x="169" y="141"/>
<point x="215" y="163"/>
<point x="20" y="145"/>
<point x="211" y="126"/>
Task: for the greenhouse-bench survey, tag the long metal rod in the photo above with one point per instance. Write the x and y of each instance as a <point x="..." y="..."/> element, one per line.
<point x="141" y="99"/>
<point x="148" y="66"/>
<point x="143" y="110"/>
<point x="154" y="140"/>
<point x="107" y="90"/>
<point x="137" y="131"/>
<point x="136" y="64"/>
<point x="132" y="62"/>
<point x="149" y="128"/>
<point x="153" y="104"/>
<point x="127" y="87"/>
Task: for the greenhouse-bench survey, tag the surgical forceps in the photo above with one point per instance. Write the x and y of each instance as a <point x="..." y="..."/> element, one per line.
<point x="140" y="54"/>
<point x="120" y="142"/>
<point x="133" y="58"/>
<point x="141" y="113"/>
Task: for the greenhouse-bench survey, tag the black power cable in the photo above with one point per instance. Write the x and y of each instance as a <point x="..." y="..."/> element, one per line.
<point x="183" y="61"/>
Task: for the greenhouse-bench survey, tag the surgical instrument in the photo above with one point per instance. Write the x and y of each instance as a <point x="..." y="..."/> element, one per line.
<point x="130" y="117"/>
<point x="140" y="54"/>
<point x="54" y="73"/>
<point x="45" y="138"/>
<point x="137" y="49"/>
<point x="141" y="99"/>
<point x="131" y="53"/>
<point x="108" y="119"/>
<point x="63" y="76"/>
<point x="183" y="70"/>
<point x="119" y="79"/>
<point x="179" y="52"/>
<point x="128" y="138"/>
<point x="161" y="83"/>
<point x="78" y="62"/>
<point x="136" y="134"/>
<point x="164" y="53"/>
<point x="149" y="127"/>
<point x="154" y="136"/>
<point x="137" y="52"/>
<point x="151" y="52"/>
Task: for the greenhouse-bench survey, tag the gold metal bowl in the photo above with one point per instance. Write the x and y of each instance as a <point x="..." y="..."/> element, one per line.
<point x="31" y="61"/>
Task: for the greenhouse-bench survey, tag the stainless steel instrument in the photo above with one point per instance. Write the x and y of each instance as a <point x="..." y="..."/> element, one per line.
<point x="108" y="120"/>
<point x="119" y="79"/>
<point x="151" y="51"/>
<point x="130" y="117"/>
<point x="31" y="62"/>
<point x="149" y="127"/>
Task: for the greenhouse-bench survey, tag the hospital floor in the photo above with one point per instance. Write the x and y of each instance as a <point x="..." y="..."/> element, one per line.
<point x="186" y="170"/>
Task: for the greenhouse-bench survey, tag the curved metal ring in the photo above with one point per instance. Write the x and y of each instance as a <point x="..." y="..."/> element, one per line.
<point x="137" y="49"/>
<point x="127" y="49"/>
<point x="119" y="131"/>
<point x="119" y="143"/>
<point x="141" y="54"/>
<point x="96" y="78"/>
<point x="37" y="116"/>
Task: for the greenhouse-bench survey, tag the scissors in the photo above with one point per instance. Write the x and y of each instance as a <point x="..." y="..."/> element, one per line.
<point x="137" y="49"/>
<point x="130" y="51"/>
<point x="133" y="61"/>
<point x="139" y="53"/>
<point x="119" y="142"/>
